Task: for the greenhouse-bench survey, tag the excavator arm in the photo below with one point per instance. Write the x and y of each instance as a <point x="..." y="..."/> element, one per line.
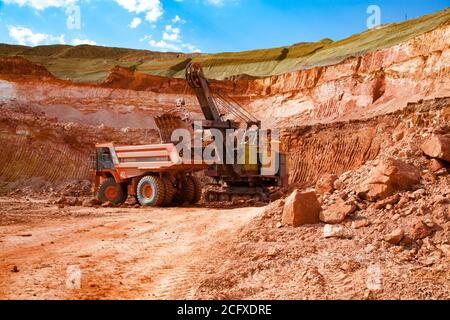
<point x="212" y="104"/>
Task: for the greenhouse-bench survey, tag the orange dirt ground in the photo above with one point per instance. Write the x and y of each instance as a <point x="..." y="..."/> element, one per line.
<point x="122" y="253"/>
<point x="342" y="120"/>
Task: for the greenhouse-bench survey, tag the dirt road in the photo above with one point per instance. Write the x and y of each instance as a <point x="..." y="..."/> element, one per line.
<point x="122" y="253"/>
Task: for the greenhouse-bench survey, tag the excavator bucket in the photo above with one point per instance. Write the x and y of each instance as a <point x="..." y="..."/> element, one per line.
<point x="168" y="123"/>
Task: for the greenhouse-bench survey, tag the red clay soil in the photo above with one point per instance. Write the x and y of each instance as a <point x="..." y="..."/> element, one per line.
<point x="39" y="152"/>
<point x="22" y="66"/>
<point x="394" y="248"/>
<point x="247" y="253"/>
<point x="126" y="78"/>
<point x="122" y="253"/>
<point x="362" y="87"/>
<point x="339" y="147"/>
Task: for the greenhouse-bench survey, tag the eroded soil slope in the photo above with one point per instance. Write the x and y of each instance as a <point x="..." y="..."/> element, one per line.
<point x="39" y="153"/>
<point x="363" y="86"/>
<point x="337" y="148"/>
<point x="248" y="253"/>
<point x="343" y="109"/>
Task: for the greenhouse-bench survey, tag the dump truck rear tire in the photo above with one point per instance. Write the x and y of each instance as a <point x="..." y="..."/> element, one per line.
<point x="197" y="190"/>
<point x="170" y="192"/>
<point x="186" y="194"/>
<point x="151" y="191"/>
<point x="110" y="191"/>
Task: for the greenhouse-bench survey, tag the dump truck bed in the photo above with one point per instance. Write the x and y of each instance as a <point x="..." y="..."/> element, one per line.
<point x="133" y="161"/>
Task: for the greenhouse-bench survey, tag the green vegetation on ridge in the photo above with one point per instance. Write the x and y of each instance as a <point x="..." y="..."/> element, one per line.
<point x="92" y="63"/>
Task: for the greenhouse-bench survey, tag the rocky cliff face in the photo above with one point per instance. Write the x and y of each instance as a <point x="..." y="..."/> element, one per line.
<point x="111" y="104"/>
<point x="39" y="152"/>
<point x="361" y="87"/>
<point x="313" y="105"/>
<point x="337" y="148"/>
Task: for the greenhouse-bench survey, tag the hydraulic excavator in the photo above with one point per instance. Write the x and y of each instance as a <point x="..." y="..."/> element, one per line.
<point x="239" y="178"/>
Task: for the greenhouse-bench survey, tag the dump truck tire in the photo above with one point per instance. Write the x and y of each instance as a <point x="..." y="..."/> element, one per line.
<point x="186" y="194"/>
<point x="170" y="192"/>
<point x="110" y="191"/>
<point x="197" y="190"/>
<point x="151" y="191"/>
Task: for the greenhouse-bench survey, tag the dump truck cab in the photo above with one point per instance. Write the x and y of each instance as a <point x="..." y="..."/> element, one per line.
<point x="154" y="174"/>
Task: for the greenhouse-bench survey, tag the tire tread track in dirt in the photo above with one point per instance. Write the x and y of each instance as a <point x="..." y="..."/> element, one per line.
<point x="123" y="254"/>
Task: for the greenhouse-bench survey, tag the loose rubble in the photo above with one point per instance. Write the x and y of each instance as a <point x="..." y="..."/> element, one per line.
<point x="383" y="233"/>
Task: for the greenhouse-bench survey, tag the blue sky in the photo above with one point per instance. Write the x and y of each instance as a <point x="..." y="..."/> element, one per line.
<point x="195" y="25"/>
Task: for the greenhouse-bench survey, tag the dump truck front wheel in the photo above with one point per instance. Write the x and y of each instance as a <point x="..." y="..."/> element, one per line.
<point x="110" y="191"/>
<point x="170" y="192"/>
<point x="151" y="191"/>
<point x="198" y="189"/>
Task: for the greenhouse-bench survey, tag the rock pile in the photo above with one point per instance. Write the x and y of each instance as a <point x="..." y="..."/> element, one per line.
<point x="389" y="177"/>
<point x="400" y="202"/>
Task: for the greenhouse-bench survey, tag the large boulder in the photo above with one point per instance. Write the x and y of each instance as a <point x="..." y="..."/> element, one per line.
<point x="325" y="184"/>
<point x="301" y="208"/>
<point x="337" y="212"/>
<point x="387" y="178"/>
<point x="437" y="146"/>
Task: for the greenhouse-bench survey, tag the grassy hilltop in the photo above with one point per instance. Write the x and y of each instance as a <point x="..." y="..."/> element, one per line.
<point x="87" y="63"/>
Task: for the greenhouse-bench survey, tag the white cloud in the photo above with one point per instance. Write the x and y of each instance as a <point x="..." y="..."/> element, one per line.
<point x="171" y="33"/>
<point x="171" y="41"/>
<point x="221" y="3"/>
<point x="177" y="19"/>
<point x="171" y="46"/>
<point x="25" y="36"/>
<point x="176" y="47"/>
<point x="41" y="4"/>
<point x="153" y="8"/>
<point x="164" y="45"/>
<point x="135" y="23"/>
<point x="78" y="42"/>
<point x="215" y="2"/>
<point x="190" y="47"/>
<point x="145" y="38"/>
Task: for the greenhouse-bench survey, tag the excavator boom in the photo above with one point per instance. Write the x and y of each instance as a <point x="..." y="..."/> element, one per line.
<point x="197" y="81"/>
